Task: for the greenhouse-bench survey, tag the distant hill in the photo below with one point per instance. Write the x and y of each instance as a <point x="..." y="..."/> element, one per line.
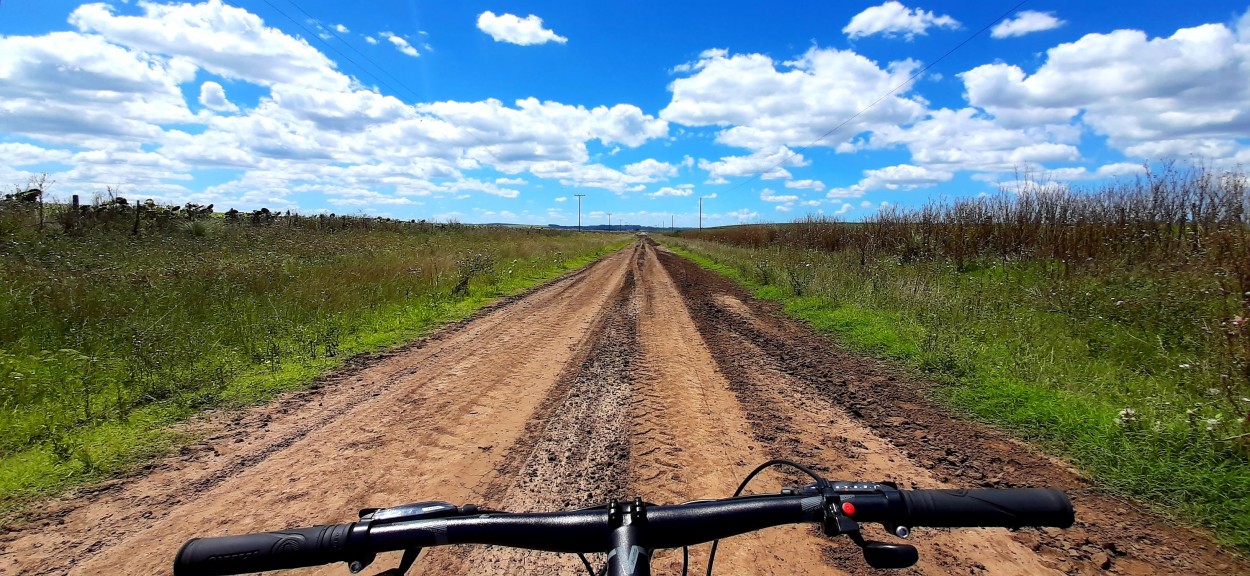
<point x="618" y="228"/>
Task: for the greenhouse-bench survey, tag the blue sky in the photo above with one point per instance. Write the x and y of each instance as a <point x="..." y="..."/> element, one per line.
<point x="502" y="111"/>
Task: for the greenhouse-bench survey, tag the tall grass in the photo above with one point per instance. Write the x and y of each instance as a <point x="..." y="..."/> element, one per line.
<point x="109" y="331"/>
<point x="1108" y="324"/>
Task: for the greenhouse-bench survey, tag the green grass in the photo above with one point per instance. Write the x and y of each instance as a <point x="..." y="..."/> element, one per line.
<point x="107" y="339"/>
<point x="1053" y="359"/>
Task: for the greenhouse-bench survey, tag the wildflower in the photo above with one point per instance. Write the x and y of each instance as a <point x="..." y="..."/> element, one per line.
<point x="1237" y="321"/>
<point x="1127" y="416"/>
<point x="1212" y="423"/>
<point x="1119" y="302"/>
<point x="1184" y="366"/>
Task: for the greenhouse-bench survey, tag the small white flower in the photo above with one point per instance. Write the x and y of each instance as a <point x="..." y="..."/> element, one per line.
<point x="1212" y="423"/>
<point x="1184" y="366"/>
<point x="1119" y="302"/>
<point x="1127" y="416"/>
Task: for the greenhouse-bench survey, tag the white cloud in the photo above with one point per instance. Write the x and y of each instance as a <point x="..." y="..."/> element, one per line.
<point x="894" y="19"/>
<point x="515" y="30"/>
<point x="1172" y="96"/>
<point x="213" y="97"/>
<point x="561" y="199"/>
<point x="670" y="191"/>
<point x="371" y="40"/>
<point x="70" y="87"/>
<point x="768" y="195"/>
<point x="843" y="210"/>
<point x="590" y="176"/>
<point x="220" y="38"/>
<point x="511" y="181"/>
<point x="1112" y="170"/>
<point x="966" y="140"/>
<point x="651" y="169"/>
<point x="362" y="198"/>
<point x="1026" y="22"/>
<point x="402" y="45"/>
<point x="806" y="185"/>
<point x="22" y="154"/>
<point x="757" y="103"/>
<point x="341" y="29"/>
<point x="739" y="216"/>
<point x="770" y="165"/>
<point x="115" y="90"/>
<point x="899" y="177"/>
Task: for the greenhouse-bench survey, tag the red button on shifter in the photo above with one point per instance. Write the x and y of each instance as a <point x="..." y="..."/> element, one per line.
<point x="848" y="508"/>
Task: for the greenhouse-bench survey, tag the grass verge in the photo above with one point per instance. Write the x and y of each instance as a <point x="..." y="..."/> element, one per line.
<point x="1109" y="393"/>
<point x="110" y="340"/>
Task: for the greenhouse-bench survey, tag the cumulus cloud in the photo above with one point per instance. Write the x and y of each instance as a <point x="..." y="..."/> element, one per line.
<point x="220" y="38"/>
<point x="768" y="195"/>
<point x="679" y="190"/>
<point x="114" y="89"/>
<point x="806" y="185"/>
<point x="899" y="177"/>
<point x="739" y="216"/>
<point x="758" y="103"/>
<point x="965" y="139"/>
<point x="213" y="97"/>
<point x="509" y="28"/>
<point x="67" y="87"/>
<point x="402" y="45"/>
<point x="23" y="154"/>
<point x="1182" y="93"/>
<point x="894" y="19"/>
<point x="768" y="164"/>
<point x="1026" y="22"/>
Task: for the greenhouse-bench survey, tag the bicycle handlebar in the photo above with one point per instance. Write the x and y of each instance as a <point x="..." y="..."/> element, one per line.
<point x="293" y="548"/>
<point x="1015" y="508"/>
<point x="839" y="506"/>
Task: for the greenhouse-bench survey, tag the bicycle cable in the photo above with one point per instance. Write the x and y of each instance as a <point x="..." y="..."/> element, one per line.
<point x="820" y="482"/>
<point x="589" y="569"/>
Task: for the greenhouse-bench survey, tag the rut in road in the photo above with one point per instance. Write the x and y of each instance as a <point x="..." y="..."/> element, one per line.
<point x="640" y="374"/>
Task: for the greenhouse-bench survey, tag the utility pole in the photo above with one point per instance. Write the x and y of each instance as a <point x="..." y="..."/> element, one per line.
<point x="672" y="223"/>
<point x="700" y="212"/>
<point x="609" y="221"/>
<point x="579" y="211"/>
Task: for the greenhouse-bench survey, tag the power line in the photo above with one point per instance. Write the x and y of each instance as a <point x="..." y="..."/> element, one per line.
<point x="331" y="31"/>
<point x="484" y="147"/>
<point x="331" y="46"/>
<point x="861" y="112"/>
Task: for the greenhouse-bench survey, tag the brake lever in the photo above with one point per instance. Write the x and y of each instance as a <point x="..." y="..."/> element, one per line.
<point x="370" y="517"/>
<point x="838" y="521"/>
<point x="405" y="563"/>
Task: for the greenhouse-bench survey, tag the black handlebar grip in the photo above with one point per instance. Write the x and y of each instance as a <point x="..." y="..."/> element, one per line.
<point x="293" y="548"/>
<point x="1007" y="508"/>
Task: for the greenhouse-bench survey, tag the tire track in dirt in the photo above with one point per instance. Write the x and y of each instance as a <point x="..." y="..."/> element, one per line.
<point x="641" y="374"/>
<point x="693" y="439"/>
<point x="579" y="451"/>
<point x="813" y="401"/>
<point x="433" y="420"/>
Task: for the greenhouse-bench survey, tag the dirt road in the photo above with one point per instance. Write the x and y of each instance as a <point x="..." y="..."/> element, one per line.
<point x="639" y="374"/>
